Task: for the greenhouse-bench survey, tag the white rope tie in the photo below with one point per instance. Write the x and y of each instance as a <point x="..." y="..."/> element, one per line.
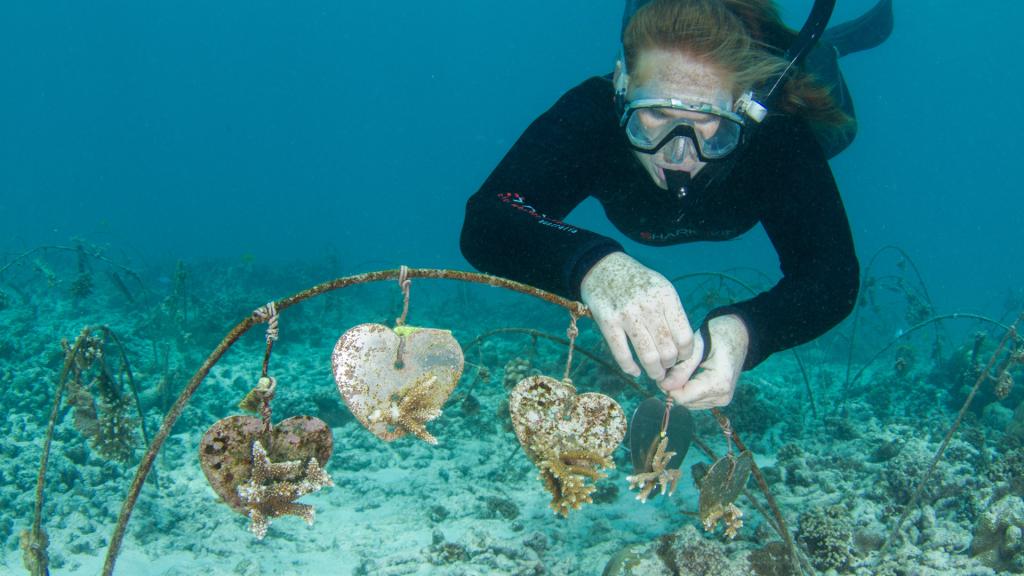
<point x="404" y="283"/>
<point x="268" y="314"/>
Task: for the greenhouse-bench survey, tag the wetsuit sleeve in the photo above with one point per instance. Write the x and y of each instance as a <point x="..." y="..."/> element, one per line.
<point x="803" y="214"/>
<point x="514" y="224"/>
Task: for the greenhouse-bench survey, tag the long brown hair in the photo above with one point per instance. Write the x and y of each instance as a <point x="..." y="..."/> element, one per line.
<point x="744" y="38"/>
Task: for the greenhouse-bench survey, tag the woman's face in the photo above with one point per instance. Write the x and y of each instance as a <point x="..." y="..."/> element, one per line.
<point x="663" y="73"/>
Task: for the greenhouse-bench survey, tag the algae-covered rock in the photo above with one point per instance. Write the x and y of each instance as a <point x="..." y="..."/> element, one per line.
<point x="772" y="559"/>
<point x="636" y="560"/>
<point x="998" y="536"/>
<point x="685" y="552"/>
<point x="827" y="535"/>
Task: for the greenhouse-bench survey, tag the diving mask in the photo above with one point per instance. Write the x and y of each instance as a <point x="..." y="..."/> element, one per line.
<point x="651" y="123"/>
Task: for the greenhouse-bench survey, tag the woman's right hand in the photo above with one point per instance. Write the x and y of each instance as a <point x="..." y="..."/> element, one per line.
<point x="633" y="304"/>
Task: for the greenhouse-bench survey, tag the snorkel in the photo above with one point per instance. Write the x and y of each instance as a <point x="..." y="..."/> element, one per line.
<point x="753" y="106"/>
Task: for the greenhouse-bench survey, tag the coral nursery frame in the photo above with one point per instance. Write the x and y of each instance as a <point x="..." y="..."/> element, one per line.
<point x="403" y="275"/>
<point x="269" y="313"/>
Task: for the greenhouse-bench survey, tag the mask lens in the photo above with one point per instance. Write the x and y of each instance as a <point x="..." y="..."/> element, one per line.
<point x="724" y="140"/>
<point x="647" y="128"/>
<point x="650" y="128"/>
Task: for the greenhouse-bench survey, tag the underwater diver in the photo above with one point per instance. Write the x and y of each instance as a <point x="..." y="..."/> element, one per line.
<point x="717" y="117"/>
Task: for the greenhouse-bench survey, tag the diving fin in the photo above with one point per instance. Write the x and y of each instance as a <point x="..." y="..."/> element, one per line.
<point x="863" y="33"/>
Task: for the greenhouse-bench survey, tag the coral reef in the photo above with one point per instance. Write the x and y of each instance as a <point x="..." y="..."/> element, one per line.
<point x="750" y="411"/>
<point x="636" y="560"/>
<point x="82" y="286"/>
<point x="515" y="370"/>
<point x="793" y="464"/>
<point x="502" y="507"/>
<point x="473" y="486"/>
<point x="772" y="559"/>
<point x="1014" y="430"/>
<point x="959" y="474"/>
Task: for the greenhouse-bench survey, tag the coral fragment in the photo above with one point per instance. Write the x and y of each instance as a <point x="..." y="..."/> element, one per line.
<point x="729" y="514"/>
<point x="565" y="477"/>
<point x="656" y="474"/>
<point x="274" y="486"/>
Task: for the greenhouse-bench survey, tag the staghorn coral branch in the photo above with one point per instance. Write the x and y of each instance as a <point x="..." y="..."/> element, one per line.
<point x="646" y="482"/>
<point x="274" y="486"/>
<point x="567" y="482"/>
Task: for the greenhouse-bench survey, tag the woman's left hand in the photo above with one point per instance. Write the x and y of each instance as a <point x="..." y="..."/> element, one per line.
<point x="714" y="386"/>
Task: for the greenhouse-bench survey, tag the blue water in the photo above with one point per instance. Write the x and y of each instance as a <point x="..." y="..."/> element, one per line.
<point x="177" y="130"/>
<point x="277" y="130"/>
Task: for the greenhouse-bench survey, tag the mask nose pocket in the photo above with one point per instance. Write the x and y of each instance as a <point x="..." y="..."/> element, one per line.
<point x="679" y="149"/>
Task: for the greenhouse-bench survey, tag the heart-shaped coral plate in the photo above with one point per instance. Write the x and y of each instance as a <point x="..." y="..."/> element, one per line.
<point x="569" y="437"/>
<point x="548" y="416"/>
<point x="395" y="381"/>
<point x="226" y="450"/>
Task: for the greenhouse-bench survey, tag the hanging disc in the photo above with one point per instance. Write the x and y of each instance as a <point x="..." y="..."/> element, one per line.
<point x="645" y="428"/>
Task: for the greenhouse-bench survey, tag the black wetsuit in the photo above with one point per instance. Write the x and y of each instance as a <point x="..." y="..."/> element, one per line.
<point x="514" y="226"/>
